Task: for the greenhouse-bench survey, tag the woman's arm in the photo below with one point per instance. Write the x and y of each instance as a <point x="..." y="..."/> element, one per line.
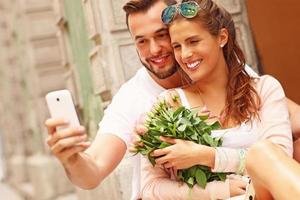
<point x="274" y="123"/>
<point x="157" y="185"/>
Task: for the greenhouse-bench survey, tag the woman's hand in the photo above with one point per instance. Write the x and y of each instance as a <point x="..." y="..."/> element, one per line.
<point x="237" y="187"/>
<point x="184" y="154"/>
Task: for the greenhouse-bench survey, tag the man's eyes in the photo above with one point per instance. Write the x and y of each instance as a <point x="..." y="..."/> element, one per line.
<point x="163" y="35"/>
<point x="141" y="41"/>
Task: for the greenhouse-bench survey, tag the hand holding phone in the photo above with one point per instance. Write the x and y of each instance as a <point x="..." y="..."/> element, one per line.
<point x="61" y="105"/>
<point x="66" y="139"/>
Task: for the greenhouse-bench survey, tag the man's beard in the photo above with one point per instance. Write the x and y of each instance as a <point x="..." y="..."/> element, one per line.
<point x="162" y="75"/>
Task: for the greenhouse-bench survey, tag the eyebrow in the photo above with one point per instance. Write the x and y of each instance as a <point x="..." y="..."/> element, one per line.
<point x="192" y="37"/>
<point x="187" y="39"/>
<point x="157" y="31"/>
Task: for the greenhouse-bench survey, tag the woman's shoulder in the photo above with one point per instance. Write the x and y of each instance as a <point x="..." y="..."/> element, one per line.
<point x="267" y="85"/>
<point x="267" y="82"/>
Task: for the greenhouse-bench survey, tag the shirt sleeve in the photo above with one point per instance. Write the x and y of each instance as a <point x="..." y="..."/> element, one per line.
<point x="157" y="185"/>
<point x="121" y="115"/>
<point x="274" y="116"/>
<point x="273" y="124"/>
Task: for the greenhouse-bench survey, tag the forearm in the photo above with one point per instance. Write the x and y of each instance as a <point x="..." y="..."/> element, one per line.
<point x="229" y="160"/>
<point x="84" y="172"/>
<point x="98" y="161"/>
<point x="157" y="185"/>
<point x="166" y="189"/>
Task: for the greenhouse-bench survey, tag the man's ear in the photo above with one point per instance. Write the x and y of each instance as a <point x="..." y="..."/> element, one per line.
<point x="223" y="37"/>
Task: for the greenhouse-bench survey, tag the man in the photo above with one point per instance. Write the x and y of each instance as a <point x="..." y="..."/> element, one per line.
<point x="87" y="165"/>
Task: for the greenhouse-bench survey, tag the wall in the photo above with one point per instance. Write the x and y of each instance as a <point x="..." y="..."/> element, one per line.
<point x="275" y="25"/>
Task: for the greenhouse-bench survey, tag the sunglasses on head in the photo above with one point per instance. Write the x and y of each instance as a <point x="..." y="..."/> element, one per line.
<point x="187" y="9"/>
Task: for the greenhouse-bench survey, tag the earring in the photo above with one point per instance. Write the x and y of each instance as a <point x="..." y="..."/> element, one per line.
<point x="222" y="45"/>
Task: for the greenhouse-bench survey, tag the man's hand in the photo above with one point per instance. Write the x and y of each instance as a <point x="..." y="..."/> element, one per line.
<point x="67" y="143"/>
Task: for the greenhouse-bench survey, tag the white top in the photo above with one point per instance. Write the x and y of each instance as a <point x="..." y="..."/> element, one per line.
<point x="133" y="99"/>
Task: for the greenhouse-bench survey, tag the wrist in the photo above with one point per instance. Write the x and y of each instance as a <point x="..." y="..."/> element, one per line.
<point x="206" y="156"/>
<point x="72" y="161"/>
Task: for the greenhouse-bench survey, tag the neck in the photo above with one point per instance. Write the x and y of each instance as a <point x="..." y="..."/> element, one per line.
<point x="170" y="82"/>
<point x="216" y="84"/>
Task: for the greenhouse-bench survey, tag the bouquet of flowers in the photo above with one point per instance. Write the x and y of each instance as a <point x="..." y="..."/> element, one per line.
<point x="180" y="123"/>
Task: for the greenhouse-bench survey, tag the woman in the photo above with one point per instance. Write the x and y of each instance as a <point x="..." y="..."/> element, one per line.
<point x="249" y="108"/>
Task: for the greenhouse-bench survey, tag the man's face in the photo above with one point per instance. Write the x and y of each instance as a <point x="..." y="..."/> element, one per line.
<point x="152" y="41"/>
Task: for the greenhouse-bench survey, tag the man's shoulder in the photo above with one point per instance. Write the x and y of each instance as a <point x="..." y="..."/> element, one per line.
<point x="131" y="87"/>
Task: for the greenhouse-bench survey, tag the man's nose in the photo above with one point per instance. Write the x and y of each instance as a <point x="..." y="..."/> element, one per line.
<point x="155" y="47"/>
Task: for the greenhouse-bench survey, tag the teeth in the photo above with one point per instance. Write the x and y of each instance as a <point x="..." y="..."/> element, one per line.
<point x="159" y="59"/>
<point x="193" y="65"/>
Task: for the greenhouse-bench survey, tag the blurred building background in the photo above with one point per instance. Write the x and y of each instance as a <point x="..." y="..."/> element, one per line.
<point x="84" y="46"/>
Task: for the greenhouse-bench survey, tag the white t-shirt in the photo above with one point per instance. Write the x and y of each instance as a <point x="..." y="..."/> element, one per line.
<point x="133" y="99"/>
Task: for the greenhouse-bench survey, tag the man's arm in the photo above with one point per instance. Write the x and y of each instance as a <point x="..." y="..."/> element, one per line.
<point x="97" y="162"/>
<point x="294" y="111"/>
<point x="86" y="169"/>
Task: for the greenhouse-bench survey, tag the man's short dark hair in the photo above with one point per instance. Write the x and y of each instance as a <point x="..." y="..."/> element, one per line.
<point x="134" y="6"/>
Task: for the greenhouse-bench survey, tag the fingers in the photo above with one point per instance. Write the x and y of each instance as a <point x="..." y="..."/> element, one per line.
<point x="160" y="152"/>
<point x="168" y="140"/>
<point x="69" y="152"/>
<point x="165" y="160"/>
<point x="62" y="144"/>
<point x="168" y="165"/>
<point x="65" y="133"/>
<point x="51" y="124"/>
<point x="237" y="187"/>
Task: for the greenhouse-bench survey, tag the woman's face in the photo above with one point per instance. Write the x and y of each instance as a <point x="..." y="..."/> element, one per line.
<point x="198" y="52"/>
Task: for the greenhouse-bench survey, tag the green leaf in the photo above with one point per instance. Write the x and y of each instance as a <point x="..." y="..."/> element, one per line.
<point x="203" y="117"/>
<point x="147" y="143"/>
<point x="190" y="182"/>
<point x="151" y="159"/>
<point x="222" y="176"/>
<point x="208" y="139"/>
<point x="216" y="125"/>
<point x="201" y="178"/>
<point x="178" y="111"/>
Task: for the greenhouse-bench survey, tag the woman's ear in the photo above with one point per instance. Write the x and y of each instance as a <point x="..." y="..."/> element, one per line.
<point x="223" y="37"/>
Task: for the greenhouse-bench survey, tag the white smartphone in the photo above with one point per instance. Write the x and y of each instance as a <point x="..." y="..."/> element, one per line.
<point x="60" y="105"/>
